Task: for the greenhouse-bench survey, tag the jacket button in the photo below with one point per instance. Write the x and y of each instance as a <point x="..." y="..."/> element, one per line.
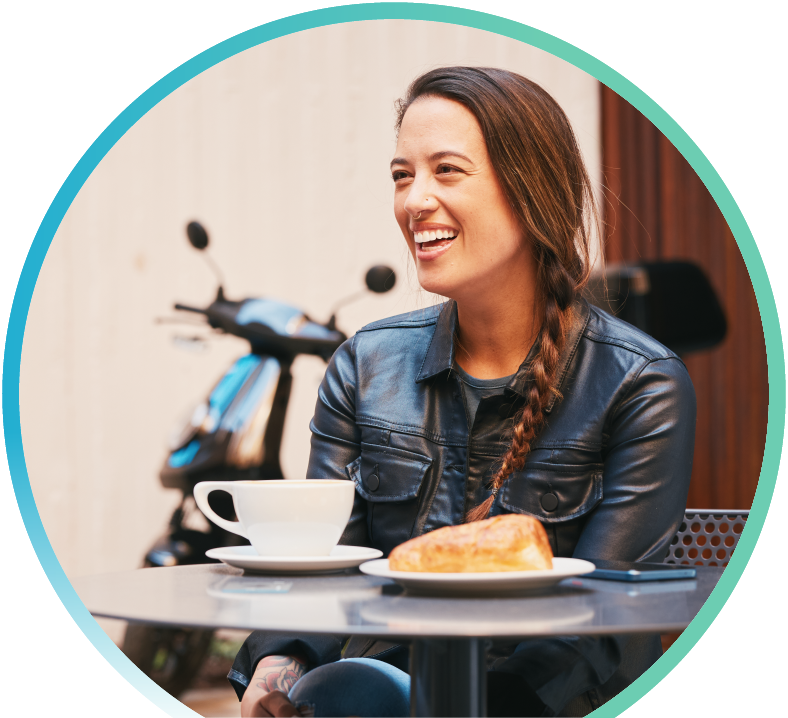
<point x="549" y="502"/>
<point x="373" y="482"/>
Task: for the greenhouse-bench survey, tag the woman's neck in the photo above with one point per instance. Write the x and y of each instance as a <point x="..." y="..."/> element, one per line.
<point x="495" y="330"/>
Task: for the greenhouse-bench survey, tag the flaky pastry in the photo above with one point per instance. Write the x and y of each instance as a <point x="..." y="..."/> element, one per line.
<point x="504" y="543"/>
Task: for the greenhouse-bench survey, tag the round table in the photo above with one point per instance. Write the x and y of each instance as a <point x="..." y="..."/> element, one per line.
<point x="448" y="635"/>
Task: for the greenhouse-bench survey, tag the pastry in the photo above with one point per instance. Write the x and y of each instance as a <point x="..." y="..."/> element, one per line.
<point x="504" y="543"/>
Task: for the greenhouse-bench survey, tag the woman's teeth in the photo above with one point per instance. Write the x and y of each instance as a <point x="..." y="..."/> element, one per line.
<point x="426" y="238"/>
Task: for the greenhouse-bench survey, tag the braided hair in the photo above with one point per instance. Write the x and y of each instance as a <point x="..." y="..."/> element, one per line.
<point x="536" y="158"/>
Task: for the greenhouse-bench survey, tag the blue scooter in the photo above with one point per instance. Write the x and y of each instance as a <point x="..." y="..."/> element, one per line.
<point x="234" y="434"/>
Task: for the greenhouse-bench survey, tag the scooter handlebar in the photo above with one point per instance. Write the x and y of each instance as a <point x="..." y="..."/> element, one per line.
<point x="186" y="308"/>
<point x="222" y="315"/>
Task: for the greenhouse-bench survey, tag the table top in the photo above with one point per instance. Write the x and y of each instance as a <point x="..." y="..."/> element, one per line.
<point x="214" y="596"/>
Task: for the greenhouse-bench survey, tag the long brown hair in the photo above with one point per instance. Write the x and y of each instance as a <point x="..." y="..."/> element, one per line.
<point x="536" y="158"/>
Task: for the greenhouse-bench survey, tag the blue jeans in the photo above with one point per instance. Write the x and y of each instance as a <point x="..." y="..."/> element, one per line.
<point x="354" y="687"/>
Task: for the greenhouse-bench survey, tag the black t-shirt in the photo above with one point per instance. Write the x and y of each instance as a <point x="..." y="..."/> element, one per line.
<point x="478" y="389"/>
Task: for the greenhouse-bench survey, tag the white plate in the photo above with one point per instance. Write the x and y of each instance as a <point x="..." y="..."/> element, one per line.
<point x="248" y="559"/>
<point x="480" y="583"/>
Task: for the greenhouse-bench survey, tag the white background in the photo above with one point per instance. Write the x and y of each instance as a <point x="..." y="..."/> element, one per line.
<point x="68" y="69"/>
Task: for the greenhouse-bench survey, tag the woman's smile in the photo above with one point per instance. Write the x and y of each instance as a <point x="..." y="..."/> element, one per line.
<point x="450" y="206"/>
<point x="432" y="240"/>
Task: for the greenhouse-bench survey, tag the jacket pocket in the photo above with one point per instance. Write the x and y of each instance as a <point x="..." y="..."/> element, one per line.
<point x="390" y="479"/>
<point x="389" y="475"/>
<point x="553" y="493"/>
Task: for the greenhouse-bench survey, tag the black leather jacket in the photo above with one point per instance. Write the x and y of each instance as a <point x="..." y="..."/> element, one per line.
<point x="616" y="453"/>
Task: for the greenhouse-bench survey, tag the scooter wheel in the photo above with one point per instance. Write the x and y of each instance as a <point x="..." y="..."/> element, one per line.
<point x="171" y="657"/>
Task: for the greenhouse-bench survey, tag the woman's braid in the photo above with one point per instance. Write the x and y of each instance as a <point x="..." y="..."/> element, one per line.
<point x="561" y="289"/>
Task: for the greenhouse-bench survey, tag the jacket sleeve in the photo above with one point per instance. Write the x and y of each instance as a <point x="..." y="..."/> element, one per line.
<point x="336" y="442"/>
<point x="317" y="650"/>
<point x="647" y="467"/>
<point x="336" y="438"/>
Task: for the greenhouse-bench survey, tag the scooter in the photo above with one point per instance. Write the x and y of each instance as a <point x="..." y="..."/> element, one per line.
<point x="234" y="434"/>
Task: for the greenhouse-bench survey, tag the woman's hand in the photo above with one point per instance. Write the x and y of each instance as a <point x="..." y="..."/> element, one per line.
<point x="266" y="694"/>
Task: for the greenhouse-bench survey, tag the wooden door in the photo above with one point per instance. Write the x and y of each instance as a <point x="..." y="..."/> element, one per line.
<point x="655" y="208"/>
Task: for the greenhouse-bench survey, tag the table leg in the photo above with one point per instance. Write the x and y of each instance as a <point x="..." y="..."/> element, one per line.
<point x="448" y="677"/>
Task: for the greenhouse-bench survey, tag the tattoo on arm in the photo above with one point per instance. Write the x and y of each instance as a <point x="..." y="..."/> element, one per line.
<point x="279" y="673"/>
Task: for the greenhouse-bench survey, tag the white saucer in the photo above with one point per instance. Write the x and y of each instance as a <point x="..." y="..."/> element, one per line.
<point x="480" y="583"/>
<point x="248" y="559"/>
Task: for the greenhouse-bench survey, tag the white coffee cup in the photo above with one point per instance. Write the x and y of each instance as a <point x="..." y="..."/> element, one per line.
<point x="284" y="518"/>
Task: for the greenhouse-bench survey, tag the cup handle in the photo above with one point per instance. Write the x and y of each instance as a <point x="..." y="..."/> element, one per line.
<point x="201" y="492"/>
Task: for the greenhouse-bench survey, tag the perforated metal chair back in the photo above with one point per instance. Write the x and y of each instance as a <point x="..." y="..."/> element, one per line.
<point x="706" y="537"/>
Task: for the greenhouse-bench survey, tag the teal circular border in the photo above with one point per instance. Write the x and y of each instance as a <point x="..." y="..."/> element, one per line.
<point x="392" y="11"/>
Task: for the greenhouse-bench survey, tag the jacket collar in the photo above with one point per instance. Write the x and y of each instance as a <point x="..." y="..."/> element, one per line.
<point x="439" y="356"/>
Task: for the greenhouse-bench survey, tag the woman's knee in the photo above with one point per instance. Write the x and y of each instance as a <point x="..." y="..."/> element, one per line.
<point x="356" y="686"/>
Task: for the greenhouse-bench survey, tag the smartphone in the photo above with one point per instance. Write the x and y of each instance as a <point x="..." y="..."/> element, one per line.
<point x="637" y="588"/>
<point x="620" y="571"/>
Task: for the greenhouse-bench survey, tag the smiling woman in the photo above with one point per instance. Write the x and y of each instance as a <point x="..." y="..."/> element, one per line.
<point x="451" y="200"/>
<point x="440" y="416"/>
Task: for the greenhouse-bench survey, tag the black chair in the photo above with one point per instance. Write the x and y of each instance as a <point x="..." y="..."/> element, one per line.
<point x="672" y="301"/>
<point x="706" y="537"/>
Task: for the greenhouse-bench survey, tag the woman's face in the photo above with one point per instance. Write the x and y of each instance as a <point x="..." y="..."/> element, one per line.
<point x="451" y="209"/>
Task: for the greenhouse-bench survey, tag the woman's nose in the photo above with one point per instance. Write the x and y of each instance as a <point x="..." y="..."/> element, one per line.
<point x="419" y="201"/>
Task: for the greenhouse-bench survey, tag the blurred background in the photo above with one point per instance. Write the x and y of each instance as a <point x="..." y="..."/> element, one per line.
<point x="282" y="153"/>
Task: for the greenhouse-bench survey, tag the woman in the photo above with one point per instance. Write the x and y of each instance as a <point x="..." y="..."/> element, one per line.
<point x="514" y="396"/>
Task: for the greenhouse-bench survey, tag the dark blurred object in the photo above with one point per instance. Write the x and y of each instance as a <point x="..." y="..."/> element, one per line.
<point x="198" y="238"/>
<point x="380" y="279"/>
<point x="197" y="235"/>
<point x="671" y="301"/>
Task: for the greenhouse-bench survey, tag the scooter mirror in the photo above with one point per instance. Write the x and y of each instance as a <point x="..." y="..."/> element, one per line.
<point x="197" y="235"/>
<point x="381" y="278"/>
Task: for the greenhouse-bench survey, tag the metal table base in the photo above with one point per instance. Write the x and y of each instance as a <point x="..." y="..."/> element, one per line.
<point x="448" y="677"/>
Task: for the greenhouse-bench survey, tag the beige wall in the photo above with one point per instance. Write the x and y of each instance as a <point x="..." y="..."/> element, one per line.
<point x="282" y="152"/>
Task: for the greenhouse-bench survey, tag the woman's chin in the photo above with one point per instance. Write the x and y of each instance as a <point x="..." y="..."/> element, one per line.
<point x="436" y="282"/>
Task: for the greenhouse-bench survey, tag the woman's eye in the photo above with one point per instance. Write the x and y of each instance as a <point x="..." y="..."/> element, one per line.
<point x="446" y="169"/>
<point x="398" y="175"/>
